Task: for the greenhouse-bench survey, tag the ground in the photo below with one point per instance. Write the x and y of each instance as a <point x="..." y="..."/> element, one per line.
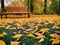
<point x="36" y="30"/>
<point x="33" y="17"/>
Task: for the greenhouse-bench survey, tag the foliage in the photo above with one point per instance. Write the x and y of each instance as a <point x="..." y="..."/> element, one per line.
<point x="37" y="6"/>
<point x="30" y="32"/>
<point x="16" y="3"/>
<point x="54" y="6"/>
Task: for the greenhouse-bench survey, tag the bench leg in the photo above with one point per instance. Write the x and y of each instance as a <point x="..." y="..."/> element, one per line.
<point x="28" y="15"/>
<point x="1" y="16"/>
<point x="22" y="14"/>
<point x="6" y="15"/>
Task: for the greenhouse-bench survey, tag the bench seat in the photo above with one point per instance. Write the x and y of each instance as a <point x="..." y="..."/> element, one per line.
<point x="15" y="10"/>
<point x="14" y="13"/>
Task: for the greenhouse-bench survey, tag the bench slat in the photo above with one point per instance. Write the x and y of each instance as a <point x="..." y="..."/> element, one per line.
<point x="17" y="9"/>
<point x="14" y="13"/>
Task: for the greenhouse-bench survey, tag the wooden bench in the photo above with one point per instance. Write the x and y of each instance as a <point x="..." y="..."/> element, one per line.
<point x="15" y="11"/>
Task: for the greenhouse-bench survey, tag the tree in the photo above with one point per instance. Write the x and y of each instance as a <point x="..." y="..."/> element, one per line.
<point x="31" y="6"/>
<point x="54" y="6"/>
<point x="2" y="5"/>
<point x="45" y="6"/>
<point x="59" y="7"/>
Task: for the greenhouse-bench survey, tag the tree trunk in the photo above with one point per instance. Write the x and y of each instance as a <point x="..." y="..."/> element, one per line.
<point x="59" y="6"/>
<point x="31" y="6"/>
<point x="2" y="5"/>
<point x="45" y="6"/>
<point x="28" y="8"/>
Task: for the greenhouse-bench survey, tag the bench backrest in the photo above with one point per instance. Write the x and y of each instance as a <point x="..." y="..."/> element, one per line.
<point x="17" y="9"/>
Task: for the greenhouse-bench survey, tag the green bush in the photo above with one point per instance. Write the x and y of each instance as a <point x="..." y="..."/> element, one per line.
<point x="54" y="6"/>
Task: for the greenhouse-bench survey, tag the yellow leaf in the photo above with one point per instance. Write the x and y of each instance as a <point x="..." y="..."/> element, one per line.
<point x="17" y="36"/>
<point x="36" y="28"/>
<point x="41" y="40"/>
<point x="1" y="35"/>
<point x="46" y="23"/>
<point x="2" y="42"/>
<point x="14" y="43"/>
<point x="50" y="21"/>
<point x="4" y="33"/>
<point x="30" y="35"/>
<point x="39" y="25"/>
<point x="55" y="26"/>
<point x="55" y="36"/>
<point x="44" y="30"/>
<point x="55" y="41"/>
<point x="39" y="35"/>
<point x="31" y="25"/>
<point x="12" y="28"/>
<point x="2" y="26"/>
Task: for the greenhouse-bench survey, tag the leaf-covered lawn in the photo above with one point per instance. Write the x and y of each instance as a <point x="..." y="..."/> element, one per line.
<point x="30" y="31"/>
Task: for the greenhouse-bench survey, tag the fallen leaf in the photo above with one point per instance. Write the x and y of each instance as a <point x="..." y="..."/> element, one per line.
<point x="4" y="33"/>
<point x="12" y="28"/>
<point x="36" y="28"/>
<point x="41" y="40"/>
<point x="1" y="35"/>
<point x="17" y="36"/>
<point x="2" y="42"/>
<point x="55" y="36"/>
<point x="55" y="26"/>
<point x="30" y="35"/>
<point x="2" y="26"/>
<point x="44" y="30"/>
<point x="39" y="35"/>
<point x="55" y="41"/>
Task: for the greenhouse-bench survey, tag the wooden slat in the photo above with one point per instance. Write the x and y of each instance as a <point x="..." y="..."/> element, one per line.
<point x="17" y="9"/>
